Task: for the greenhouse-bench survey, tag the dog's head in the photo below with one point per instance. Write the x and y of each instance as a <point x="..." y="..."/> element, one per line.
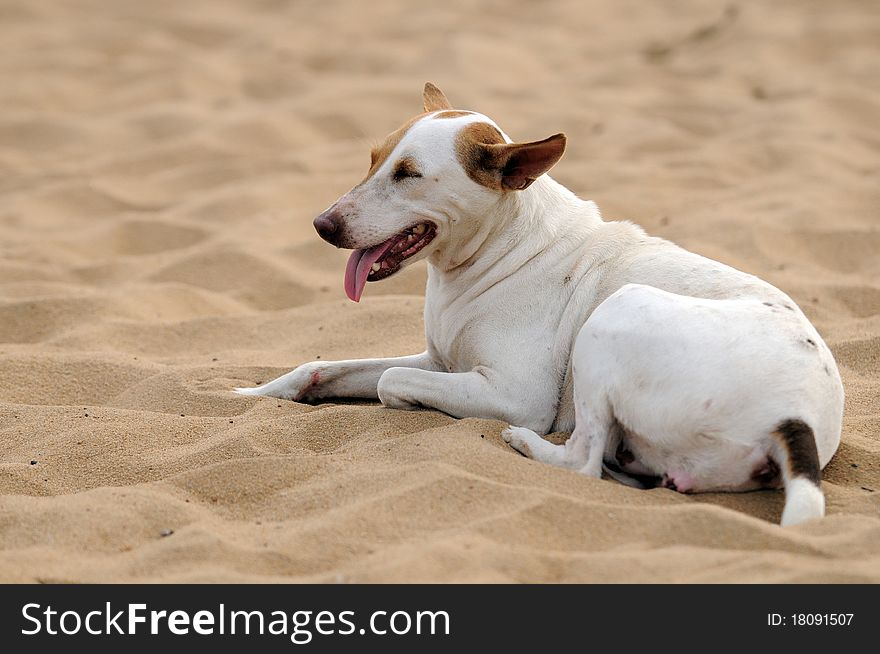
<point x="429" y="185"/>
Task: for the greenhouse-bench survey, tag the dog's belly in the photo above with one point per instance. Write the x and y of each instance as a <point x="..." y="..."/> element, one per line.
<point x="700" y="464"/>
<point x="695" y="387"/>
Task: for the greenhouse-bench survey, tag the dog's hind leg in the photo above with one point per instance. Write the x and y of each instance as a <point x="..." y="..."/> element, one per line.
<point x="583" y="451"/>
<point x="598" y="440"/>
<point x="530" y="444"/>
<point x="594" y="427"/>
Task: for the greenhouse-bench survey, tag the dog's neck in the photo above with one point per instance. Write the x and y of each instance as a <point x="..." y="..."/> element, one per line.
<point x="535" y="218"/>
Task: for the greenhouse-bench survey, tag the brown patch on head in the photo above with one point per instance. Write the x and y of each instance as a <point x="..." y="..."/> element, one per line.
<point x="490" y="161"/>
<point x="473" y="155"/>
<point x="405" y="167"/>
<point x="434" y="100"/>
<point x="380" y="154"/>
<point x="797" y="440"/>
<point x="453" y="113"/>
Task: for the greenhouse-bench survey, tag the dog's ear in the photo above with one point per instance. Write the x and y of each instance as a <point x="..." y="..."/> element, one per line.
<point x="513" y="166"/>
<point x="522" y="163"/>
<point x="434" y="99"/>
<point x="489" y="160"/>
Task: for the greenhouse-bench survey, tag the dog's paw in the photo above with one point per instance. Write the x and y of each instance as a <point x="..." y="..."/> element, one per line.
<point x="517" y="438"/>
<point x="300" y="385"/>
<point x="263" y="391"/>
<point x="248" y="391"/>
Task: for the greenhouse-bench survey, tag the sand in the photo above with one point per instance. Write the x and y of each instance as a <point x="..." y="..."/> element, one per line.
<point x="160" y="166"/>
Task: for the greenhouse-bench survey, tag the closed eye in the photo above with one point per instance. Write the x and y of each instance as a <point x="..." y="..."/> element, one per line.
<point x="405" y="169"/>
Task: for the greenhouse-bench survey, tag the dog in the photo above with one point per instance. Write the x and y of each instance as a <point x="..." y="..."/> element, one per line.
<point x="669" y="369"/>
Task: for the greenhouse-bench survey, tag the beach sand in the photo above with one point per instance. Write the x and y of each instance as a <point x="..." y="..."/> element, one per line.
<point x="160" y="167"/>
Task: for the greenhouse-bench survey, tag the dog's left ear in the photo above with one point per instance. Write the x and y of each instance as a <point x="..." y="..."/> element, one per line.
<point x="434" y="99"/>
<point x="514" y="166"/>
<point x="523" y="163"/>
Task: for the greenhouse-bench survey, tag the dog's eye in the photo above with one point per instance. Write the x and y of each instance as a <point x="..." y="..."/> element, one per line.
<point x="404" y="169"/>
<point x="403" y="174"/>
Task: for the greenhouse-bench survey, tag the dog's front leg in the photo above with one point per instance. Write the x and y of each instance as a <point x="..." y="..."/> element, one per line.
<point x="356" y="378"/>
<point x="464" y="395"/>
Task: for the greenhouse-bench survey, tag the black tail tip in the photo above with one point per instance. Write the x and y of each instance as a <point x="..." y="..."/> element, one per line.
<point x="799" y="442"/>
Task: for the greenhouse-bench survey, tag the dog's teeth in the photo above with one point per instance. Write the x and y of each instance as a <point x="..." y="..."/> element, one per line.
<point x="376" y="267"/>
<point x="419" y="229"/>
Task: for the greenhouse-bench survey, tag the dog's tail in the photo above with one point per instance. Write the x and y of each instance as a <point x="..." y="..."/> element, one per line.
<point x="798" y="458"/>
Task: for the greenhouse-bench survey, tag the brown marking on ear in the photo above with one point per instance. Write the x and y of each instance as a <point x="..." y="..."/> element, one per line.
<point x="380" y="154"/>
<point x="433" y="99"/>
<point x="471" y="147"/>
<point x="454" y="113"/>
<point x="796" y="438"/>
<point x="490" y="161"/>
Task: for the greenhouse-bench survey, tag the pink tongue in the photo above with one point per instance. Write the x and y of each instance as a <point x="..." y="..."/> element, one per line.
<point x="358" y="268"/>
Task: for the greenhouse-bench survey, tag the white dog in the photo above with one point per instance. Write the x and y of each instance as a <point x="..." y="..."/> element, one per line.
<point x="671" y="369"/>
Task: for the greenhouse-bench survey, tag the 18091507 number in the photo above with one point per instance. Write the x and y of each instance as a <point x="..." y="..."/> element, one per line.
<point x="821" y="619"/>
<point x="810" y="619"/>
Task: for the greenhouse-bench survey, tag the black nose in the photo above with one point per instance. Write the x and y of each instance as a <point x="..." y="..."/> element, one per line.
<point x="328" y="225"/>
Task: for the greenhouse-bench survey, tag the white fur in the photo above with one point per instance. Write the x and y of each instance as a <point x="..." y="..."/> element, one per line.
<point x="804" y="501"/>
<point x="539" y="313"/>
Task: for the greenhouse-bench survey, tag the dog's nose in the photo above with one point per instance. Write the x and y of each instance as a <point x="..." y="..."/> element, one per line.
<point x="327" y="225"/>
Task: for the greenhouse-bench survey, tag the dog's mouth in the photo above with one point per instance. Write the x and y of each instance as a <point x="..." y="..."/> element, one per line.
<point x="384" y="260"/>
